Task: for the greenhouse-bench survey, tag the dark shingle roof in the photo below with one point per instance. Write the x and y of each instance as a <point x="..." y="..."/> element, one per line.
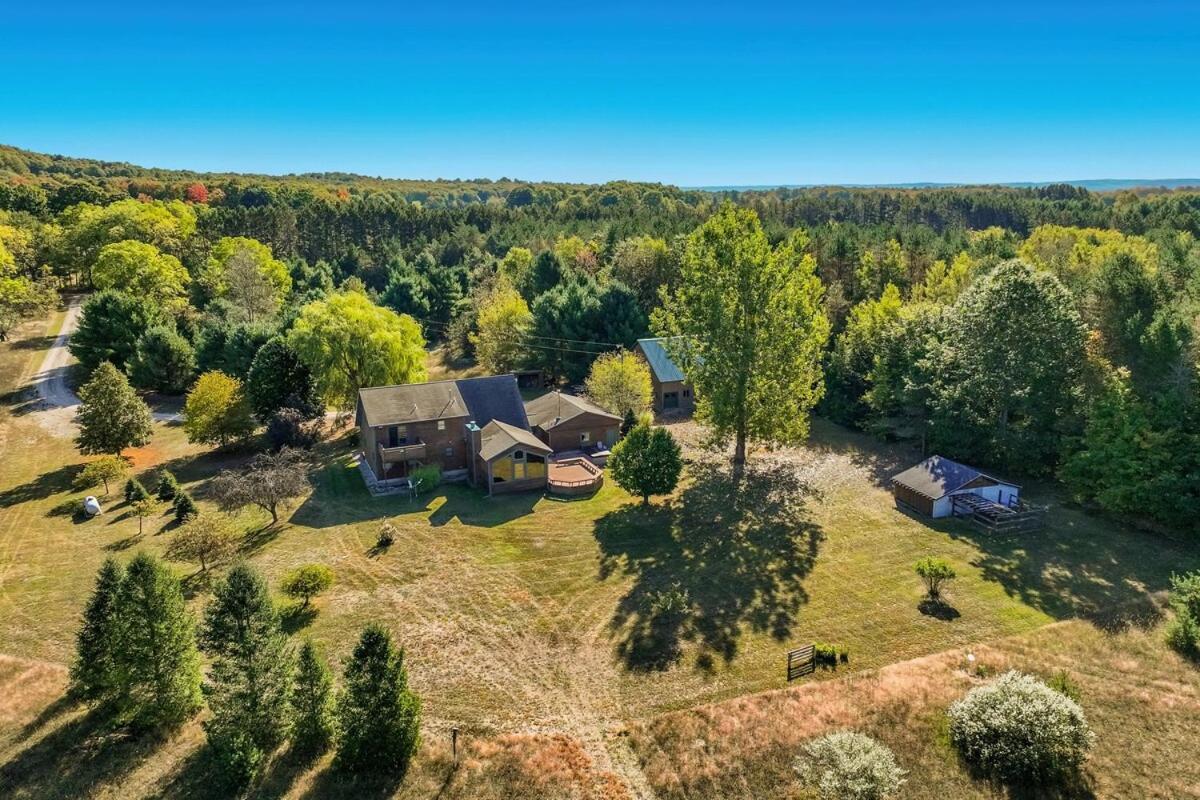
<point x="494" y="397"/>
<point x="936" y="477"/>
<point x="555" y="408"/>
<point x="497" y="437"/>
<point x="661" y="365"/>
<point x="479" y="399"/>
<point x="413" y="402"/>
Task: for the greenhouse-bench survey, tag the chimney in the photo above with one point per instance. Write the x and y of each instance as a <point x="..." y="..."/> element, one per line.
<point x="474" y="442"/>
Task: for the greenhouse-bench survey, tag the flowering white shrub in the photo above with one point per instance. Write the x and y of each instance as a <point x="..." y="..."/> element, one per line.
<point x="849" y="766"/>
<point x="1017" y="728"/>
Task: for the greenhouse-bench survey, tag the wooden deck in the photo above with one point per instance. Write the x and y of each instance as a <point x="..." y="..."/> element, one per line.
<point x="997" y="518"/>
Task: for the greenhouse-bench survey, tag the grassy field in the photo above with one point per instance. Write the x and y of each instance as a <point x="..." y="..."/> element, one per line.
<point x="531" y="623"/>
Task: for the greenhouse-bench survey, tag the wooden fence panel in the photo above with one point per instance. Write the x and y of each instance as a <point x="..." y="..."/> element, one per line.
<point x="800" y="662"/>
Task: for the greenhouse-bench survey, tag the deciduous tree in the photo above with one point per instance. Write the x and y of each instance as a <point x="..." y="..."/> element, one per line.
<point x="216" y="410"/>
<point x="1006" y="372"/>
<point x="306" y="582"/>
<point x="205" y="540"/>
<point x="244" y="272"/>
<point x="619" y="382"/>
<point x="749" y="329"/>
<point x="647" y="461"/>
<point x="503" y="324"/>
<point x="269" y="481"/>
<point x="141" y="270"/>
<point x="111" y="416"/>
<point x="349" y="343"/>
<point x="105" y="469"/>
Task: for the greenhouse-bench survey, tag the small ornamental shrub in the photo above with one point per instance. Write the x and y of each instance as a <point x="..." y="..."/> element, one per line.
<point x="1063" y="683"/>
<point x="1183" y="632"/>
<point x="936" y="573"/>
<point x="168" y="487"/>
<point x="387" y="535"/>
<point x="848" y="766"/>
<point x="185" y="507"/>
<point x="828" y="655"/>
<point x="426" y="478"/>
<point x="306" y="582"/>
<point x="670" y="602"/>
<point x="1018" y="729"/>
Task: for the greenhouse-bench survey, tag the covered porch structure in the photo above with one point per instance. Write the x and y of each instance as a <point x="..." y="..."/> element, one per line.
<point x="510" y="459"/>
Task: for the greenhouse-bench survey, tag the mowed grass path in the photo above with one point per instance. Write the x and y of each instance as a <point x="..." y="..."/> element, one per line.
<point x="530" y="614"/>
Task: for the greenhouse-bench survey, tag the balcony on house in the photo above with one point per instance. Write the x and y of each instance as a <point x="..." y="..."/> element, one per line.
<point x="402" y="453"/>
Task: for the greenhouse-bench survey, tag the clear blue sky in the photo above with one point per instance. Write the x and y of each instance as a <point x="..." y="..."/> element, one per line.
<point x="691" y="93"/>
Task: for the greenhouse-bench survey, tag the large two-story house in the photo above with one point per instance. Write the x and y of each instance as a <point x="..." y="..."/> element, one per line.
<point x="474" y="428"/>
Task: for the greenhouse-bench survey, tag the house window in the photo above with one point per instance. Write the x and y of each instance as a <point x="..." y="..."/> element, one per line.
<point x="441" y="424"/>
<point x="687" y="392"/>
<point x="393" y="436"/>
<point x="585" y="437"/>
<point x="518" y="455"/>
<point x="448" y="452"/>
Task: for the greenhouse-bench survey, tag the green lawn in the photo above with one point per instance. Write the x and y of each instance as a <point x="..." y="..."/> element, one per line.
<point x="525" y="613"/>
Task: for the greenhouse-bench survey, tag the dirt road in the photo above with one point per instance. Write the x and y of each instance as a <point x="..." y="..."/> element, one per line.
<point x="57" y="401"/>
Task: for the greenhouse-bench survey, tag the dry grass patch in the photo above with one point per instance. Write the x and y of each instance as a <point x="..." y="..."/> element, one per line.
<point x="1141" y="699"/>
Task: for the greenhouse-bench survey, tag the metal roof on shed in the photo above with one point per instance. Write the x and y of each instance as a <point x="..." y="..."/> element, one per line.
<point x="936" y="477"/>
<point x="661" y="365"/>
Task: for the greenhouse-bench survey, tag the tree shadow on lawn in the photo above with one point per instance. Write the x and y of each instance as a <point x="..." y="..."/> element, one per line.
<point x="46" y="485"/>
<point x="737" y="554"/>
<point x="77" y="757"/>
<point x="1081" y="566"/>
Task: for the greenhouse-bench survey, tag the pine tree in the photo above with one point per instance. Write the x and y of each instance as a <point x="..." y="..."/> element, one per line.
<point x="135" y="491"/>
<point x="168" y="487"/>
<point x="157" y="664"/>
<point x="111" y="416"/>
<point x="628" y="422"/>
<point x="378" y="717"/>
<point x="251" y="676"/>
<point x="312" y="702"/>
<point x="185" y="507"/>
<point x="93" y="674"/>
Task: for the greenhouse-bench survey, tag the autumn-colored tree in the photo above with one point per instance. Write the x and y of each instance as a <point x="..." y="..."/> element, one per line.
<point x="216" y="410"/>
<point x="197" y="193"/>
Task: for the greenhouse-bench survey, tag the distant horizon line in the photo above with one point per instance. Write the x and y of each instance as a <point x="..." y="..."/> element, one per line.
<point x="1099" y="184"/>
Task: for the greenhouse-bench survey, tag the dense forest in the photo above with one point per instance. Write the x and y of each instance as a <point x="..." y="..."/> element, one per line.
<point x="1040" y="331"/>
